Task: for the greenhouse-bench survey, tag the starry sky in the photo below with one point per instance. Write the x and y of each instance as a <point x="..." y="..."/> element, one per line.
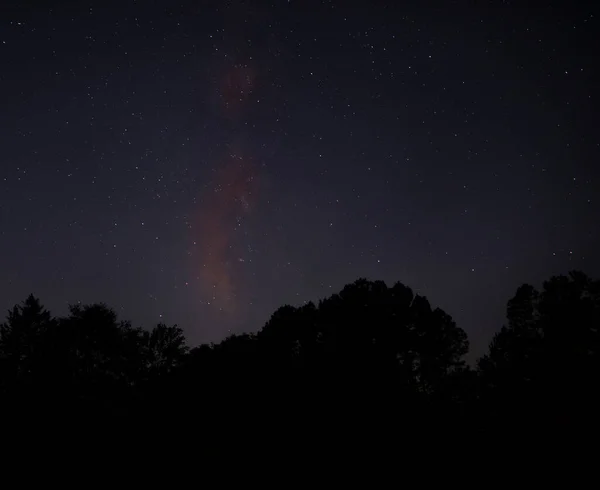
<point x="203" y="163"/>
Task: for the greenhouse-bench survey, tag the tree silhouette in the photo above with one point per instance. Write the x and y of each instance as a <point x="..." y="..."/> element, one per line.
<point x="366" y="332"/>
<point x="548" y="356"/>
<point x="164" y="349"/>
<point x="96" y="341"/>
<point x="21" y="340"/>
<point x="373" y="358"/>
<point x="92" y="359"/>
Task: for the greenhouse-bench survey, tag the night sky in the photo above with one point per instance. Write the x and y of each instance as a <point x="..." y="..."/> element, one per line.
<point x="203" y="163"/>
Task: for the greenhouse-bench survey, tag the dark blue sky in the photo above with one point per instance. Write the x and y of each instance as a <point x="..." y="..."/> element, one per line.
<point x="203" y="163"/>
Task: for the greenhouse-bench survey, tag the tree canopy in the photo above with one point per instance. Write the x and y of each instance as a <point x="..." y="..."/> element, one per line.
<point x="369" y="349"/>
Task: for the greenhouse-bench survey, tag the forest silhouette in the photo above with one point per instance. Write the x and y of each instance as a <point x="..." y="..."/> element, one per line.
<point x="371" y="359"/>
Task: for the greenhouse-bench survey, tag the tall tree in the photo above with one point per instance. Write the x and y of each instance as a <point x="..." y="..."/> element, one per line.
<point x="95" y="357"/>
<point x="21" y="338"/>
<point x="549" y="353"/>
<point x="368" y="331"/>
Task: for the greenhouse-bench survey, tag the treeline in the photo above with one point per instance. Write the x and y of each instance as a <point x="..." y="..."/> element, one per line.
<point x="370" y="358"/>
